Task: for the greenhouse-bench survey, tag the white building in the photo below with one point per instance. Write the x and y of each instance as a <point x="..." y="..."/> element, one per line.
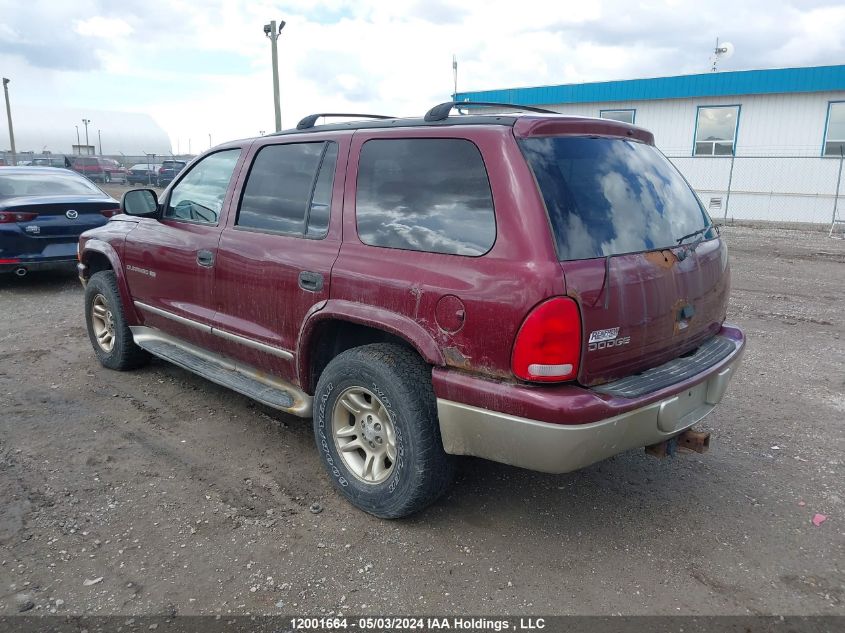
<point x="773" y="138"/>
<point x="62" y="131"/>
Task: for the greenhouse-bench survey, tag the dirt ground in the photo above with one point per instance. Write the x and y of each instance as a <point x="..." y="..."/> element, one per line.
<point x="157" y="492"/>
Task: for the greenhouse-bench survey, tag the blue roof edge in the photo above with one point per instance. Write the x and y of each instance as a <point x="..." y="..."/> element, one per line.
<point x="718" y="84"/>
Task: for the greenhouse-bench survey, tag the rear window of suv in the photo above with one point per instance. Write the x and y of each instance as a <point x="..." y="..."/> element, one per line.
<point x="613" y="196"/>
<point x="425" y="195"/>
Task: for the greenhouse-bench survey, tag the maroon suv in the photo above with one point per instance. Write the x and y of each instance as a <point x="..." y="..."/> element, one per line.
<point x="535" y="289"/>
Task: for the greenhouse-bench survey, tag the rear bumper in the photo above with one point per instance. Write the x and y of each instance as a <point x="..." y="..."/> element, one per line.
<point x="38" y="264"/>
<point x="557" y="448"/>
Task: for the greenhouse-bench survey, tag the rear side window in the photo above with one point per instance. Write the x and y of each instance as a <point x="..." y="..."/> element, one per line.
<point x="289" y="189"/>
<point x="613" y="196"/>
<point x="425" y="195"/>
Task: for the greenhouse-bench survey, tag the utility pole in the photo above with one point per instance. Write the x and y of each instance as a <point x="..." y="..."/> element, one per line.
<point x="100" y="138"/>
<point x="271" y="32"/>
<point x="78" y="142"/>
<point x="86" y="122"/>
<point x="9" y="117"/>
<point x="455" y="77"/>
<point x="209" y="140"/>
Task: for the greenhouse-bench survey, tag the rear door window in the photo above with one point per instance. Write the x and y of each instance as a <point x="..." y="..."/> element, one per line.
<point x="425" y="194"/>
<point x="289" y="189"/>
<point x="613" y="196"/>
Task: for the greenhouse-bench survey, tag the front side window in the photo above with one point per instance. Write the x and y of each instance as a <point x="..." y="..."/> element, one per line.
<point x="715" y="131"/>
<point x="199" y="196"/>
<point x="425" y="195"/>
<point x="834" y="141"/>
<point x="289" y="189"/>
<point x="625" y="116"/>
<point x="610" y="196"/>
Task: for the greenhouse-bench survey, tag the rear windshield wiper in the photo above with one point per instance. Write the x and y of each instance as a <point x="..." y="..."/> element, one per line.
<point x="694" y="233"/>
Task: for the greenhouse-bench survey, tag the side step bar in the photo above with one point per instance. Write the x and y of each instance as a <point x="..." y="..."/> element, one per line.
<point x="269" y="390"/>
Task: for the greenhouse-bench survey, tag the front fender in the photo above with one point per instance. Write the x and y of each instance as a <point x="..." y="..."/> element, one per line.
<point x="94" y="245"/>
<point x="396" y="324"/>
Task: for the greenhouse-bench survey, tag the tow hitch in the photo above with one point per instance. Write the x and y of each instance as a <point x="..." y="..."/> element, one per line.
<point x="689" y="440"/>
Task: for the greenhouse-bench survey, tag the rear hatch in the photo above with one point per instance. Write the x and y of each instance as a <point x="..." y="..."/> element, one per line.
<point x="637" y="249"/>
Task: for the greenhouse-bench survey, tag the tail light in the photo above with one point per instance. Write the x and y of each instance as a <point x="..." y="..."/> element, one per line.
<point x="110" y="212"/>
<point x="7" y="217"/>
<point x="548" y="344"/>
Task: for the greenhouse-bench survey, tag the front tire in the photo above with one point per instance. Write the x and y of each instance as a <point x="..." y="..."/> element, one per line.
<point x="107" y="329"/>
<point x="376" y="428"/>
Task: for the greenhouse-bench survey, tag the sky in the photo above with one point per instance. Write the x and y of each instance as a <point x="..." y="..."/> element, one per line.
<point x="203" y="68"/>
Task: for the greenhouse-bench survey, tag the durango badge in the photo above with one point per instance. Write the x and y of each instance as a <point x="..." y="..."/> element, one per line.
<point x="602" y="339"/>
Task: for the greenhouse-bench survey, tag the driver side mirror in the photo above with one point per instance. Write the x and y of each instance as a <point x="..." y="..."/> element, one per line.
<point x="140" y="203"/>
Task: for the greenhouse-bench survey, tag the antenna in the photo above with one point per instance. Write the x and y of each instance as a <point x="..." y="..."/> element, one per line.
<point x="720" y="52"/>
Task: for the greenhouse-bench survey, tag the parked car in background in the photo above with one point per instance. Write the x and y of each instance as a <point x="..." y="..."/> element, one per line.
<point x="52" y="161"/>
<point x="143" y="174"/>
<point x="99" y="169"/>
<point x="43" y="211"/>
<point x="541" y="290"/>
<point x="169" y="170"/>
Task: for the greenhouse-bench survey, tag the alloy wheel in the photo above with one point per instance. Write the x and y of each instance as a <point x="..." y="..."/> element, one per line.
<point x="364" y="435"/>
<point x="102" y="321"/>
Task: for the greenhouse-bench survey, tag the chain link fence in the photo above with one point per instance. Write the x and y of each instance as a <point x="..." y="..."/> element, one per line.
<point x="784" y="189"/>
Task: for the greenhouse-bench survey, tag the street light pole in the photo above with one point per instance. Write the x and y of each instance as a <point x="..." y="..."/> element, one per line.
<point x="100" y="138"/>
<point x="271" y="32"/>
<point x="86" y="122"/>
<point x="9" y="117"/>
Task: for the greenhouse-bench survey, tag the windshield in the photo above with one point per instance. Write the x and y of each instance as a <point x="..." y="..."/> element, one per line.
<point x="613" y="196"/>
<point x="12" y="185"/>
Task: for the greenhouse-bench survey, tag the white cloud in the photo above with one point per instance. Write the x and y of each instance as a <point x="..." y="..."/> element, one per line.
<point x="107" y="28"/>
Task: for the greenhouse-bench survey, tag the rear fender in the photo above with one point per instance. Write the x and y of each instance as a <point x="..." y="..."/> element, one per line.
<point x="104" y="248"/>
<point x="378" y="318"/>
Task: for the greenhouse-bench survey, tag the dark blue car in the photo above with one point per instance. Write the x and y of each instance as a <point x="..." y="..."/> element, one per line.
<point x="42" y="213"/>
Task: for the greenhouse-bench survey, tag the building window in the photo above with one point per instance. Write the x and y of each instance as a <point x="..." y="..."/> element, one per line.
<point x="625" y="116"/>
<point x="834" y="138"/>
<point x="715" y="130"/>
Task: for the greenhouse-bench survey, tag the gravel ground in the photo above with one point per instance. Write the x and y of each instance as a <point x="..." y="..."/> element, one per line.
<point x="157" y="492"/>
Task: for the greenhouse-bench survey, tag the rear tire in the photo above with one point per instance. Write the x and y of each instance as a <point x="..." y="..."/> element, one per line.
<point x="376" y="428"/>
<point x="110" y="336"/>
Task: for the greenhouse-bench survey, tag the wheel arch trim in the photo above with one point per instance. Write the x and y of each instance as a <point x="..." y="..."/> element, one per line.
<point x="102" y="247"/>
<point x="392" y="323"/>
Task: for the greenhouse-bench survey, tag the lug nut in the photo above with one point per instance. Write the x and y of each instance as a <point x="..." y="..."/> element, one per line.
<point x="377" y="426"/>
<point x="369" y="418"/>
<point x="372" y="445"/>
<point x="378" y="440"/>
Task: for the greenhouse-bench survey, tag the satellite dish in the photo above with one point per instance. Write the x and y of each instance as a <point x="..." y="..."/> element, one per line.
<point x="725" y="50"/>
<point x="720" y="52"/>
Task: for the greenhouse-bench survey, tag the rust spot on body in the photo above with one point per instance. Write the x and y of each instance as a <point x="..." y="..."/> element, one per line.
<point x="454" y="358"/>
<point x="662" y="259"/>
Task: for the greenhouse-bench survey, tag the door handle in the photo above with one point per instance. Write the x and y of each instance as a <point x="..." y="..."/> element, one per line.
<point x="205" y="258"/>
<point x="312" y="282"/>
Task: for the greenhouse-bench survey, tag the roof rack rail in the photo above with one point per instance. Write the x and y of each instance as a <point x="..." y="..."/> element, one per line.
<point x="441" y="111"/>
<point x="311" y="119"/>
